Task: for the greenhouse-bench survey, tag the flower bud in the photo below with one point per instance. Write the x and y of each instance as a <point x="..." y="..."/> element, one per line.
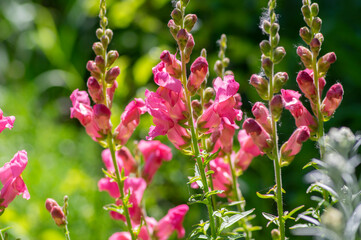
<point x="314" y="9"/>
<point x="265" y="47"/>
<point x="279" y="80"/>
<point x="102" y="116"/>
<point x="105" y="41"/>
<point x="93" y="69"/>
<point x="95" y="90"/>
<point x="332" y="100"/>
<point x="204" y="53"/>
<point x="58" y="215"/>
<point x="275" y="40"/>
<point x="208" y="94"/>
<point x="261" y="114"/>
<point x="275" y="28"/>
<point x="177" y="16"/>
<point x="266" y="26"/>
<point x="218" y="67"/>
<point x="325" y="62"/>
<point x="305" y="55"/>
<point x="182" y="38"/>
<point x="319" y="36"/>
<point x="197" y="108"/>
<point x="294" y="144"/>
<point x="259" y="136"/>
<point x="225" y="63"/>
<point x="199" y="70"/>
<point x="238" y="99"/>
<point x="173" y="28"/>
<point x="261" y="86"/>
<point x="316" y="24"/>
<point x="279" y="54"/>
<point x="99" y="61"/>
<point x="267" y="66"/>
<point x="178" y="5"/>
<point x="109" y="34"/>
<point x="189" y="21"/>
<point x="189" y="48"/>
<point x="98" y="48"/>
<point x="306" y="35"/>
<point x="99" y="33"/>
<point x="276" y="107"/>
<point x="112" y="74"/>
<point x="275" y="234"/>
<point x="50" y="203"/>
<point x="306" y="11"/>
<point x="111" y="57"/>
<point x="315" y="45"/>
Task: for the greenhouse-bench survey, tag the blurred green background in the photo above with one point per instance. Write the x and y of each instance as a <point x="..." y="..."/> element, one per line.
<point x="44" y="47"/>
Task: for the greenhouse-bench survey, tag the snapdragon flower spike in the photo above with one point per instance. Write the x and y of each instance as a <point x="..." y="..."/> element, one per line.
<point x="129" y="120"/>
<point x="222" y="177"/>
<point x="259" y="135"/>
<point x="173" y="221"/>
<point x="199" y="70"/>
<point x="154" y="153"/>
<point x="247" y="152"/>
<point x="294" y="144"/>
<point x="332" y="100"/>
<point x="307" y="86"/>
<point x="10" y="177"/>
<point x="261" y="114"/>
<point x="302" y="116"/>
<point x="6" y="122"/>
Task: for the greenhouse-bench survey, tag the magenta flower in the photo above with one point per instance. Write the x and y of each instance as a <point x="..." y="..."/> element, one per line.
<point x="259" y="135"/>
<point x="307" y="86"/>
<point x="143" y="233"/>
<point x="6" y="122"/>
<point x="173" y="221"/>
<point x="332" y="100"/>
<point x="171" y="64"/>
<point x="294" y="144"/>
<point x="121" y="236"/>
<point x="248" y="150"/>
<point x="261" y="114"/>
<point x="55" y="211"/>
<point x="10" y="177"/>
<point x="102" y="117"/>
<point x="199" y="70"/>
<point x="95" y="90"/>
<point x="154" y="153"/>
<point x="222" y="177"/>
<point x="124" y="159"/>
<point x="129" y="120"/>
<point x="302" y="116"/>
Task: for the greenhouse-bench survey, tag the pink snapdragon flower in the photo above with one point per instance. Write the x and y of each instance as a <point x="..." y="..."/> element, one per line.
<point x="171" y="64"/>
<point x="294" y="144"/>
<point x="124" y="159"/>
<point x="307" y="86"/>
<point x="154" y="153"/>
<point x="261" y="114"/>
<point x="259" y="135"/>
<point x="6" y="122"/>
<point x="10" y="177"/>
<point x="248" y="151"/>
<point x="173" y="221"/>
<point x="199" y="70"/>
<point x="129" y="120"/>
<point x="222" y="177"/>
<point x="143" y="233"/>
<point x="332" y="100"/>
<point x="302" y="116"/>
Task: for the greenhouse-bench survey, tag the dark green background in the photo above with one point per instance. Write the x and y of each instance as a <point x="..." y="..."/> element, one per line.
<point x="44" y="47"/>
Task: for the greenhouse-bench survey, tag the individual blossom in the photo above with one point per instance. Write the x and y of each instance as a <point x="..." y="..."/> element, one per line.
<point x="332" y="100"/>
<point x="302" y="116"/>
<point x="222" y="176"/>
<point x="247" y="152"/>
<point x="10" y="177"/>
<point x="199" y="70"/>
<point x="258" y="134"/>
<point x="129" y="120"/>
<point x="145" y="233"/>
<point x="6" y="122"/>
<point x="307" y="86"/>
<point x="154" y="153"/>
<point x="294" y="144"/>
<point x="124" y="159"/>
<point x="173" y="221"/>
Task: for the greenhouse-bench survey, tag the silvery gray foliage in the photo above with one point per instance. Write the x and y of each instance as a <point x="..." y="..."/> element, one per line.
<point x="339" y="218"/>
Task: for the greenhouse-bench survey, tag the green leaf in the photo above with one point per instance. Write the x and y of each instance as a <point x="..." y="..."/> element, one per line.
<point x="289" y="215"/>
<point x="314" y="186"/>
<point x="235" y="218"/>
<point x="353" y="223"/>
<point x="194" y="179"/>
<point x="210" y="172"/>
<point x="266" y="196"/>
<point x="271" y="218"/>
<point x="214" y="192"/>
<point x="210" y="157"/>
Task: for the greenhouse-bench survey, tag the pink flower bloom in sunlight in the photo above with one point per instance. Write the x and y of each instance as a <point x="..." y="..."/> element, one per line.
<point x="154" y="153"/>
<point x="302" y="116"/>
<point x="332" y="100"/>
<point x="173" y="221"/>
<point x="134" y="186"/>
<point x="305" y="83"/>
<point x="294" y="144"/>
<point x="163" y="79"/>
<point x="129" y="120"/>
<point x="143" y="233"/>
<point x="121" y="236"/>
<point x="172" y="65"/>
<point x="222" y="177"/>
<point x="10" y="177"/>
<point x="259" y="135"/>
<point x="81" y="107"/>
<point x="6" y="122"/>
<point x="199" y="70"/>
<point x="102" y="117"/>
<point x="124" y="159"/>
<point x="248" y="150"/>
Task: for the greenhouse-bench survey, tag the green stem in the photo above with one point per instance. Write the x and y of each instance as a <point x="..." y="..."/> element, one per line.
<point x="238" y="196"/>
<point x="120" y="183"/>
<point x="66" y="231"/>
<point x="1" y="235"/>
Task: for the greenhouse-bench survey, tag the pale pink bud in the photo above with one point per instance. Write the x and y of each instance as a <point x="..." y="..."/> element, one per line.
<point x="325" y="62"/>
<point x="173" y="28"/>
<point x="112" y="74"/>
<point x="261" y="86"/>
<point x="50" y="203"/>
<point x="100" y="62"/>
<point x="261" y="113"/>
<point x="6" y="122"/>
<point x="182" y="38"/>
<point x="276" y="106"/>
<point x="332" y="100"/>
<point x="260" y="137"/>
<point x="93" y="69"/>
<point x="189" y="47"/>
<point x="95" y="90"/>
<point x="173" y="221"/>
<point x="172" y="65"/>
<point x="189" y="21"/>
<point x="305" y="55"/>
<point x="102" y="116"/>
<point x="58" y="215"/>
<point x="307" y="86"/>
<point x="293" y="146"/>
<point x="199" y="70"/>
